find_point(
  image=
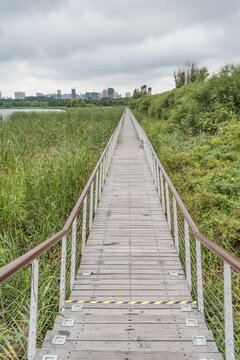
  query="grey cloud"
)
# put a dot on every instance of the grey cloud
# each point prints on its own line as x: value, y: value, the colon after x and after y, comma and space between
x: 66, y: 41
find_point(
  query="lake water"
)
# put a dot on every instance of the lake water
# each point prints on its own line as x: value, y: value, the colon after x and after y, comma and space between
x: 6, y: 112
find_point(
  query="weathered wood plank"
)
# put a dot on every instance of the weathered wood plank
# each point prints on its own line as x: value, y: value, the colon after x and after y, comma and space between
x: 130, y: 254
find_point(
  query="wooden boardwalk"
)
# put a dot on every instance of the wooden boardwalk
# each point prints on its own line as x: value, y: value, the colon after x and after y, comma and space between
x: 130, y: 254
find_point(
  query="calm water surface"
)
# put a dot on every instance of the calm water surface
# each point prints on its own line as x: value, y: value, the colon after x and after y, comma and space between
x: 6, y: 112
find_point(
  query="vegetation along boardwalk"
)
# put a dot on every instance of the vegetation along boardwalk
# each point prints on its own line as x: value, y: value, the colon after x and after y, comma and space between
x: 130, y: 298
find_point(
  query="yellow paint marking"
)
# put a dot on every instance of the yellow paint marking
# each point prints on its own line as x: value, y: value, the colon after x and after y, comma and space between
x: 132, y: 302
x: 81, y: 301
x: 119, y: 302
x: 157, y: 302
x: 93, y: 302
x: 145, y: 302
x: 69, y: 301
x: 106, y: 302
x: 170, y: 302
x: 183, y: 302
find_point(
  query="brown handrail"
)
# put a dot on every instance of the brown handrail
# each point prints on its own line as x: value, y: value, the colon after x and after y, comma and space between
x: 211, y: 245
x: 17, y: 264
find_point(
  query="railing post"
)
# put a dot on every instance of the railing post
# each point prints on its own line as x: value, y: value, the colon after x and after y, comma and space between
x: 175, y: 219
x: 199, y: 277
x: 91, y: 207
x: 154, y: 171
x: 168, y: 207
x: 84, y: 224
x: 32, y: 339
x: 100, y: 182
x: 73, y: 252
x: 158, y: 183
x: 228, y: 314
x: 187, y: 255
x: 104, y: 170
x: 162, y: 191
x: 63, y: 274
x: 96, y: 192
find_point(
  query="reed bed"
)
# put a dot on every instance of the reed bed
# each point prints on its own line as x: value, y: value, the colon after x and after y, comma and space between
x: 45, y: 162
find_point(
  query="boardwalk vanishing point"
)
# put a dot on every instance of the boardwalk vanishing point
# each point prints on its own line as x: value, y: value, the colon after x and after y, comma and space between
x: 129, y: 266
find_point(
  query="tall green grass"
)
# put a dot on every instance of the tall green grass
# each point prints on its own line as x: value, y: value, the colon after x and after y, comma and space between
x: 195, y: 131
x: 45, y: 161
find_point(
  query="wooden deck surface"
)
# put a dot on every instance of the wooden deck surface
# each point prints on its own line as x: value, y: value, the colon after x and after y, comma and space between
x: 130, y: 254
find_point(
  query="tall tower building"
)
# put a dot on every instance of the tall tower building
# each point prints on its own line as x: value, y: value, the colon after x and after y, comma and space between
x: 105, y: 93
x: 74, y: 96
x: 19, y: 95
x: 59, y: 94
x: 149, y: 91
x: 111, y: 93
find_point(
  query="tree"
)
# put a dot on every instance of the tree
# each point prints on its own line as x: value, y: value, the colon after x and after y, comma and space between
x: 190, y: 73
x: 136, y: 94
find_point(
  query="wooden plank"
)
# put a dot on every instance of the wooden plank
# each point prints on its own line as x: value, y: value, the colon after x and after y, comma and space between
x: 130, y: 253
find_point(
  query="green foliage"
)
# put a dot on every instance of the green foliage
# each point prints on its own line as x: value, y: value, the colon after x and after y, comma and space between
x: 45, y: 103
x: 45, y: 161
x: 195, y: 130
x: 191, y: 73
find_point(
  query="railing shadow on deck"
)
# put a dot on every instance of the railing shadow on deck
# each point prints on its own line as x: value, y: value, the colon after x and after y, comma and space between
x: 216, y: 288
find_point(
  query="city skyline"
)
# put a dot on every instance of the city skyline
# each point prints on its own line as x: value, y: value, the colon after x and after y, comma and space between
x: 73, y: 94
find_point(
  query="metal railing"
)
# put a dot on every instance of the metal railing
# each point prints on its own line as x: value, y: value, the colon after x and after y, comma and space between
x: 42, y: 279
x: 212, y: 273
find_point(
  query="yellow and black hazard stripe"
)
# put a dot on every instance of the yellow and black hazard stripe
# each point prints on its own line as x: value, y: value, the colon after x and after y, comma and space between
x: 180, y: 302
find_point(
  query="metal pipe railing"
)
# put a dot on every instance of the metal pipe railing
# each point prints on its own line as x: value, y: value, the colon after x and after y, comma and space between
x: 78, y: 224
x: 192, y: 257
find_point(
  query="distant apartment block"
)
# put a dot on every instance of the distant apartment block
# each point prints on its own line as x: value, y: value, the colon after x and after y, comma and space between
x: 0, y: 95
x: 127, y: 94
x: 149, y: 91
x: 74, y: 95
x: 111, y: 93
x: 38, y: 94
x: 19, y: 95
x: 59, y: 94
x: 51, y: 96
x: 143, y: 89
x: 66, y: 96
x: 105, y: 93
x: 92, y: 95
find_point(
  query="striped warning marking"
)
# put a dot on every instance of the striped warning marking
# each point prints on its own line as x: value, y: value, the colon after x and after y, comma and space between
x: 181, y: 302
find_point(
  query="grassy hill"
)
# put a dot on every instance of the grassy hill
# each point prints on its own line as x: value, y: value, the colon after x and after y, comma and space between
x: 195, y: 131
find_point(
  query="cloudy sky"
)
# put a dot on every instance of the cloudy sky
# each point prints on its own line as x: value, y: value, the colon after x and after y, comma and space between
x: 47, y: 45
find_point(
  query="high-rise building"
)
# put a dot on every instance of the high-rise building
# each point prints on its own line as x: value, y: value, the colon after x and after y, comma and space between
x: 74, y: 96
x: 92, y: 95
x: 38, y: 94
x: 149, y: 91
x: 0, y: 95
x: 111, y: 93
x: 143, y: 89
x: 127, y: 94
x: 67, y: 96
x: 105, y: 93
x: 19, y: 95
x: 59, y: 94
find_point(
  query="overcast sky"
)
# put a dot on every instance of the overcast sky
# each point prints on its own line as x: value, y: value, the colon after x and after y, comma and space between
x: 47, y: 45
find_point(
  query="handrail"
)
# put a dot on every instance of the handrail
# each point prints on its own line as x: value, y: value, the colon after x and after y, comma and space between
x: 231, y: 259
x: 19, y: 263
